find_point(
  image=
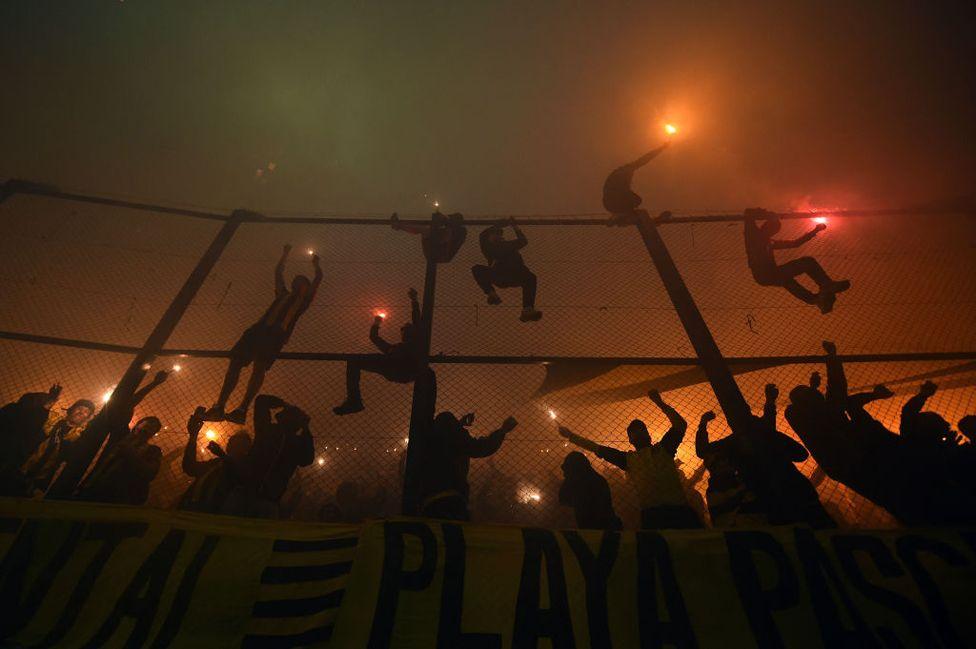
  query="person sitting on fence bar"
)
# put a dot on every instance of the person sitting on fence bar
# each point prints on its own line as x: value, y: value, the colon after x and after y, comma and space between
x: 218, y: 483
x: 399, y: 362
x: 36, y: 437
x: 264, y: 340
x: 760, y: 251
x: 618, y: 197
x: 441, y: 239
x: 445, y: 458
x: 125, y: 470
x: 651, y: 469
x: 506, y: 268
x: 281, y: 445
x: 588, y: 493
x: 730, y: 503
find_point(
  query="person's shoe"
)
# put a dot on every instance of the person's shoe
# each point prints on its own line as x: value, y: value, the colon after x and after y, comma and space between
x: 839, y: 287
x: 530, y: 315
x: 349, y: 407
x: 493, y: 298
x: 238, y: 416
x: 825, y: 302
x: 214, y: 414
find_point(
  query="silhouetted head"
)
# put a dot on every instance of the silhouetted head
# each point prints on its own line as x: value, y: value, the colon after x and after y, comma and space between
x: 804, y: 397
x: 146, y: 428
x: 300, y: 284
x: 771, y: 227
x: 638, y: 435
x: 291, y: 417
x: 238, y: 445
x: 495, y: 233
x: 575, y: 465
x: 967, y: 426
x: 80, y: 412
x: 932, y: 427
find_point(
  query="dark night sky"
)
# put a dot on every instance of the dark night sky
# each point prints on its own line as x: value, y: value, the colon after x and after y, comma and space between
x: 490, y: 107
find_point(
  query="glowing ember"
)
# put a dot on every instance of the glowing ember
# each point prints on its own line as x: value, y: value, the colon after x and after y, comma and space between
x: 211, y: 434
x: 108, y: 394
x: 177, y: 368
x: 552, y: 414
x: 670, y: 129
x: 321, y: 461
x: 146, y: 367
x: 381, y: 315
x: 310, y: 252
x: 820, y: 220
x: 528, y: 494
x: 437, y: 203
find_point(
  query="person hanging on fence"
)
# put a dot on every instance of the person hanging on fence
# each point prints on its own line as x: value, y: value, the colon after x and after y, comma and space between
x: 282, y: 444
x: 36, y: 436
x: 651, y: 469
x: 588, y: 493
x: 760, y: 251
x: 126, y: 469
x: 506, y: 268
x: 219, y: 483
x: 263, y: 341
x: 619, y: 198
x: 444, y: 460
x: 441, y: 239
x: 399, y: 362
x: 730, y: 502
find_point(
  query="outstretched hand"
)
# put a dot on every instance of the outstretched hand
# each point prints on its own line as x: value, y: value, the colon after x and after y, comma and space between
x: 654, y: 395
x: 708, y: 416
x: 412, y: 293
x: 161, y: 376
x: 286, y: 249
x: 509, y: 424
x: 820, y: 227
x: 395, y: 221
x: 215, y: 448
x: 772, y: 391
x: 54, y: 392
x: 829, y: 347
x: 195, y: 422
x: 565, y: 432
x: 815, y: 380
x: 928, y: 388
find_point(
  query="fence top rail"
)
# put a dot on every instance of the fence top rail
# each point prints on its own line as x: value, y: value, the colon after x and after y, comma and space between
x: 13, y: 187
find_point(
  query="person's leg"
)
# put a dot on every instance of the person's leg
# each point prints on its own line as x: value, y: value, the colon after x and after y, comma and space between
x: 527, y: 280
x: 799, y: 291
x: 483, y: 277
x: 233, y: 375
x: 836, y: 380
x: 354, y: 370
x: 254, y: 384
x: 811, y: 267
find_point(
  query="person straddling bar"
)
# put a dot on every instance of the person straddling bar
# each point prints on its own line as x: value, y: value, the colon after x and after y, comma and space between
x: 506, y: 268
x: 264, y: 340
x: 651, y: 469
x: 441, y: 239
x: 618, y: 197
x: 445, y: 459
x: 588, y: 493
x: 398, y: 363
x: 760, y: 250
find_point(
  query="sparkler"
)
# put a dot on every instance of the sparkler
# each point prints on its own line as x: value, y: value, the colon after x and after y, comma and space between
x: 670, y: 129
x: 820, y: 220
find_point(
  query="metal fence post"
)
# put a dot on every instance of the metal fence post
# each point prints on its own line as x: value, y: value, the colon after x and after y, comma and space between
x: 93, y: 438
x: 736, y: 409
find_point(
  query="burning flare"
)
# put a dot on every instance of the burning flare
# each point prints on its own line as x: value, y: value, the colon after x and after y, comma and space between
x: 670, y: 129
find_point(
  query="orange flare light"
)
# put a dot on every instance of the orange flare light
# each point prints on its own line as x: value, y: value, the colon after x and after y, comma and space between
x: 552, y: 414
x: 381, y: 315
x: 820, y: 220
x: 211, y: 434
x: 670, y: 129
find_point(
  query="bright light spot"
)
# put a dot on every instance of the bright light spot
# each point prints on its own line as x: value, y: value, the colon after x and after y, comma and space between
x: 528, y: 494
x: 145, y: 367
x: 437, y: 203
x: 177, y: 368
x: 108, y: 394
x: 211, y: 434
x: 552, y: 414
x: 822, y: 220
x: 310, y: 252
x: 406, y: 440
x: 670, y: 129
x: 381, y: 315
x: 321, y: 461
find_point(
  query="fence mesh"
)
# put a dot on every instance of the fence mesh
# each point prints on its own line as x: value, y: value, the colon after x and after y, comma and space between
x: 104, y: 275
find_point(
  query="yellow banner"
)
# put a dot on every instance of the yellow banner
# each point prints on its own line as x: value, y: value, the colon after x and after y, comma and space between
x: 444, y: 585
x: 83, y: 575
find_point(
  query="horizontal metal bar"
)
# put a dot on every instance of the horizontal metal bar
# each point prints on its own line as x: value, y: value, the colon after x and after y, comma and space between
x: 890, y: 357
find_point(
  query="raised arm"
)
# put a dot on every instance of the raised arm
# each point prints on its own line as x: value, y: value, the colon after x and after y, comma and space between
x: 487, y: 445
x: 612, y: 455
x: 317, y: 279
x: 376, y: 338
x: 280, y: 271
x: 142, y: 392
x: 409, y: 229
x: 769, y: 406
x: 672, y: 438
x: 647, y: 157
x: 702, y: 444
x: 520, y: 239
x: 414, y: 306
x: 306, y: 448
x: 912, y: 407
x: 796, y: 243
x: 191, y: 466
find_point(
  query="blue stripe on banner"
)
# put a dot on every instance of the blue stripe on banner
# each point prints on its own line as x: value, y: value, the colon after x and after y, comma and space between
x: 320, y: 634
x: 299, y: 574
x: 297, y: 607
x: 284, y: 545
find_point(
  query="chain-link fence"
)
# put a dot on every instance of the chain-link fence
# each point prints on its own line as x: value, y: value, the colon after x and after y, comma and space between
x: 84, y: 284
